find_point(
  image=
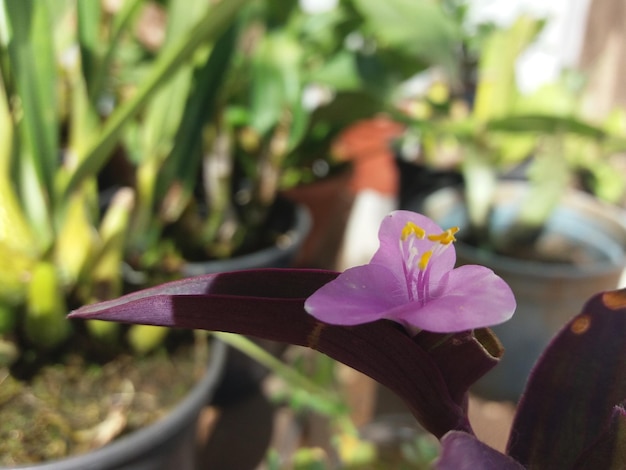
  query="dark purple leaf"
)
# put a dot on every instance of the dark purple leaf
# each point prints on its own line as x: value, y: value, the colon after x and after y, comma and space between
x: 574, y: 387
x: 446, y: 350
x: 462, y: 451
x: 269, y: 303
x: 609, y: 451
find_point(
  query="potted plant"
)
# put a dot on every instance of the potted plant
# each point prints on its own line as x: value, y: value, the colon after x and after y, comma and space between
x: 58, y: 79
x: 528, y: 228
x: 427, y: 342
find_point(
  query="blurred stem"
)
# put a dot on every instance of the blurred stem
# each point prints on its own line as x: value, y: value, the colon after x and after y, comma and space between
x: 74, y: 239
x: 293, y: 378
x: 105, y: 280
x: 141, y: 234
x: 271, y: 160
x: 217, y: 170
x: 106, y: 273
x: 548, y: 180
x: 480, y: 185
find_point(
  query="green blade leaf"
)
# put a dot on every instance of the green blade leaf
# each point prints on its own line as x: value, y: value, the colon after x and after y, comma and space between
x: 182, y: 163
x: 419, y: 27
x: 276, y: 82
x: 212, y: 24
x: 497, y: 88
x: 89, y: 14
x: 33, y: 68
x: 45, y: 324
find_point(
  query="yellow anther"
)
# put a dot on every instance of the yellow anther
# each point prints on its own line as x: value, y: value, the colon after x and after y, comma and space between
x: 446, y: 237
x: 424, y: 259
x: 412, y: 229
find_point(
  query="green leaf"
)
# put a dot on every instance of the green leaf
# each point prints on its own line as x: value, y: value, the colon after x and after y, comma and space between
x: 105, y: 275
x: 338, y: 72
x: 549, y: 177
x: 276, y: 82
x: 165, y: 109
x: 98, y: 80
x: 545, y: 124
x: 497, y: 89
x: 184, y: 160
x: 146, y: 338
x: 45, y: 324
x: 15, y: 232
x: 419, y: 27
x: 33, y: 68
x: 75, y: 239
x: 210, y: 26
x: 89, y: 16
x: 16, y: 268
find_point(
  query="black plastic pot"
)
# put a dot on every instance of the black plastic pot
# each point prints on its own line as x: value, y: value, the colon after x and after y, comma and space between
x: 547, y: 294
x: 242, y: 375
x: 167, y: 444
x: 293, y: 221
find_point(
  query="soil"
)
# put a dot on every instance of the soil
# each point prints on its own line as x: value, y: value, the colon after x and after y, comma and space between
x: 76, y: 405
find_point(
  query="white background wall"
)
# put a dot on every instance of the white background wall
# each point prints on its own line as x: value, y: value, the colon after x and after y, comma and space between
x: 559, y: 44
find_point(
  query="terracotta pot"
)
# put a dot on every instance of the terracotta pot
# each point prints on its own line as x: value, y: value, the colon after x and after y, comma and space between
x: 329, y: 202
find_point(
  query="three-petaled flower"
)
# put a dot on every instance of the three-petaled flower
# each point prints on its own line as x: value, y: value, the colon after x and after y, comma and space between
x: 411, y: 279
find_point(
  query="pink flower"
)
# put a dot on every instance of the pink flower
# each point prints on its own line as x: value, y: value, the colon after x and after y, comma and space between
x: 411, y: 280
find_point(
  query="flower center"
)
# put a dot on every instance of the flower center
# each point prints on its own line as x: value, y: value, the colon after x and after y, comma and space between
x: 417, y: 263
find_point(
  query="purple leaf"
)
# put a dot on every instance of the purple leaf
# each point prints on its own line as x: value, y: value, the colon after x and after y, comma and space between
x: 411, y: 280
x: 462, y: 451
x: 446, y: 350
x: 574, y: 387
x: 269, y: 303
x: 609, y: 451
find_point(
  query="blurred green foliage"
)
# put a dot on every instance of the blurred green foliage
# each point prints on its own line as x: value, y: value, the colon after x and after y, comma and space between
x: 63, y: 112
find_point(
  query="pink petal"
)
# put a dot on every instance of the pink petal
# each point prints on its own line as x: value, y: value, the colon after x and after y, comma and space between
x: 389, y: 253
x: 359, y: 295
x: 473, y: 297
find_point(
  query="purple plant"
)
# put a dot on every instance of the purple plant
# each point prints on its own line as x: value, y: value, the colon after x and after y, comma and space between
x: 419, y: 330
x: 411, y: 280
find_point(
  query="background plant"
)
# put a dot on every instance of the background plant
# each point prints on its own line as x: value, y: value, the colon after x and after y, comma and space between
x: 62, y: 118
x: 295, y: 79
x: 500, y: 128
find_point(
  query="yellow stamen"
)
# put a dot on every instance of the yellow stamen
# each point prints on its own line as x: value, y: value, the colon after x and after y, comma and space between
x: 412, y: 229
x: 446, y: 237
x: 424, y: 259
